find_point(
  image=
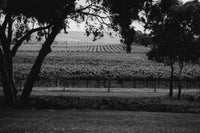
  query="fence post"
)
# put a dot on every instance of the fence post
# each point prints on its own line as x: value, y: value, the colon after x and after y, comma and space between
x: 109, y: 84
x: 154, y: 86
x: 104, y: 83
x: 64, y: 87
x: 121, y: 83
x: 87, y: 82
x: 57, y: 82
x: 38, y: 83
x: 98, y: 86
x: 66, y: 83
x: 50, y: 83
x: 134, y: 83
x: 20, y: 85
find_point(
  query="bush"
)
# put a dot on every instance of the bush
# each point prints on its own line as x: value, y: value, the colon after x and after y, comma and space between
x: 155, y: 104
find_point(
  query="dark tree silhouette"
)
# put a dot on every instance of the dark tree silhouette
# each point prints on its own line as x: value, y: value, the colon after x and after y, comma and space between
x: 22, y: 18
x: 123, y: 13
x: 173, y: 29
x: 163, y: 36
x: 142, y: 39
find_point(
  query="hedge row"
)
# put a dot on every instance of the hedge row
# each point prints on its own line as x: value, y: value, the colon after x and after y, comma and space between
x: 153, y: 104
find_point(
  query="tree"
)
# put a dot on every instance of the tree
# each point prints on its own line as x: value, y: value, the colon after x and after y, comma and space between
x: 22, y: 18
x: 187, y: 19
x: 142, y: 39
x: 173, y: 30
x: 122, y: 14
x: 163, y: 36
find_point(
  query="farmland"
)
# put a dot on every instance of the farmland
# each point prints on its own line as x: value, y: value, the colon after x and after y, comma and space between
x: 83, y: 65
x: 82, y: 59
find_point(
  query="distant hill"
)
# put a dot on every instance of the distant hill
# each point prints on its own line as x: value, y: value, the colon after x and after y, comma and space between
x: 80, y: 37
x: 77, y: 41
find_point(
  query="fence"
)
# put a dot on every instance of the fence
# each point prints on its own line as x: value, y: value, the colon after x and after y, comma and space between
x: 106, y: 83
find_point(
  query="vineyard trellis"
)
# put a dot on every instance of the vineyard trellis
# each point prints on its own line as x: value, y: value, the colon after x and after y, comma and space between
x: 75, y: 48
x: 109, y: 84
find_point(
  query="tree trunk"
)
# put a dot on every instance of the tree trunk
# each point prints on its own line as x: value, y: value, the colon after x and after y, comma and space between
x: 12, y: 77
x: 179, y: 81
x: 171, y: 81
x: 9, y: 67
x: 128, y: 48
x: 9, y: 94
x: 6, y: 67
x: 35, y: 70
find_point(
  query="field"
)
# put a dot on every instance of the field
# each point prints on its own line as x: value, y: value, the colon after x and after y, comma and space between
x: 76, y: 57
x: 78, y: 42
x: 84, y: 65
x: 87, y: 121
x: 79, y: 61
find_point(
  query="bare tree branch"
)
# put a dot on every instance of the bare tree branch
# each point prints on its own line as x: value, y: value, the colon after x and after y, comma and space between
x: 93, y: 14
x: 90, y: 6
x: 3, y: 26
x: 102, y: 21
x: 9, y: 38
x: 20, y: 41
x: 3, y: 37
x: 84, y: 8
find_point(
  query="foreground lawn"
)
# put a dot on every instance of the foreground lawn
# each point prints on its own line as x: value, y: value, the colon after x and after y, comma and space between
x: 91, y: 121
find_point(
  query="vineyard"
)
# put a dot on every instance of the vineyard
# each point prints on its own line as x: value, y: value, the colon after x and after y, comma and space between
x: 99, y: 66
x: 101, y: 61
x: 77, y: 42
x: 76, y: 48
x: 82, y: 48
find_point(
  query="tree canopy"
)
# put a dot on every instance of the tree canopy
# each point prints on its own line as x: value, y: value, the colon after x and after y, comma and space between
x: 22, y: 18
x: 123, y: 13
x: 175, y: 33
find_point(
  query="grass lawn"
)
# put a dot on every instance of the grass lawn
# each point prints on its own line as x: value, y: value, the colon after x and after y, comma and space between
x: 92, y: 121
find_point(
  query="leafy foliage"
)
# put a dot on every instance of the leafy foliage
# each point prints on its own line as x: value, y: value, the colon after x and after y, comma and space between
x: 122, y: 15
x: 142, y: 39
x: 173, y: 32
x: 23, y: 18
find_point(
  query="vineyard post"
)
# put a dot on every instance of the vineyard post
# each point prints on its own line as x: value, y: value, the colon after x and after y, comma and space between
x: 38, y: 83
x: 104, y: 83
x: 66, y: 83
x: 146, y: 83
x: 154, y: 86
x: 20, y: 85
x: 109, y: 84
x: 64, y: 87
x: 73, y: 83
x: 134, y: 83
x: 57, y: 82
x: 87, y: 82
x: 98, y: 86
x: 199, y: 85
x: 50, y: 84
x: 121, y: 82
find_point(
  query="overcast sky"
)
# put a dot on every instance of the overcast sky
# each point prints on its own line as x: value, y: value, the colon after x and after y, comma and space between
x: 80, y: 27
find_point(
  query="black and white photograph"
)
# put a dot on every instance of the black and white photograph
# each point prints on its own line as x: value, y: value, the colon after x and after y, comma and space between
x: 99, y: 66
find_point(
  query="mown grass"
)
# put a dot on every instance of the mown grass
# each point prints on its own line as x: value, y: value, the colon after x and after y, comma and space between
x: 92, y: 121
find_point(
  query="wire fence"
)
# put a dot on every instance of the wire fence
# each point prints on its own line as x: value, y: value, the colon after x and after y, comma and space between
x: 107, y: 83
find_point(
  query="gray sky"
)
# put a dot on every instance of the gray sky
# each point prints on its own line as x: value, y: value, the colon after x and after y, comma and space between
x: 80, y: 27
